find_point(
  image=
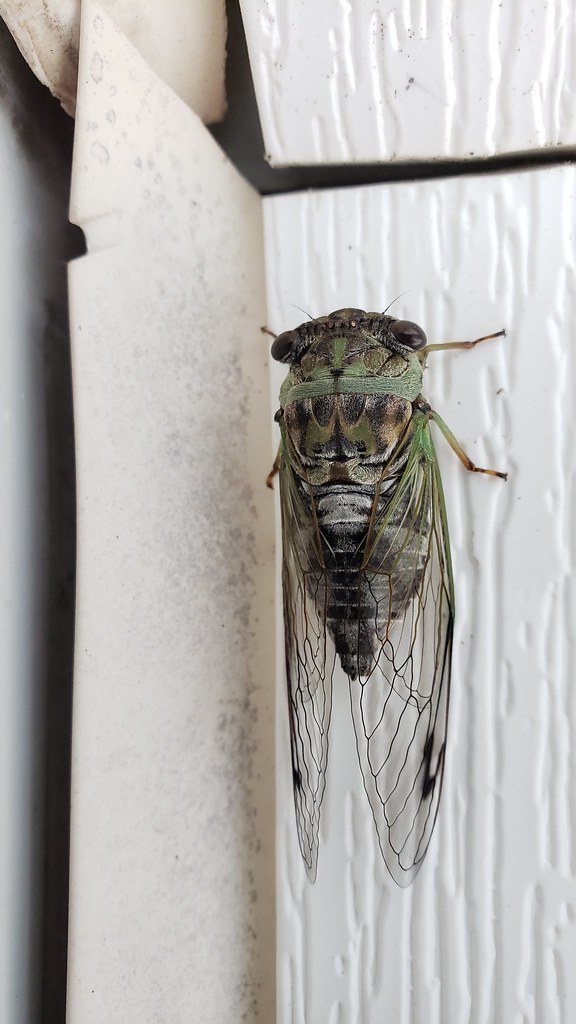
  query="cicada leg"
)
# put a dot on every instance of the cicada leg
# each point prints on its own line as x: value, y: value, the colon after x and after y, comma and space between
x: 461, y: 344
x: 276, y: 465
x: 456, y: 447
x: 274, y: 469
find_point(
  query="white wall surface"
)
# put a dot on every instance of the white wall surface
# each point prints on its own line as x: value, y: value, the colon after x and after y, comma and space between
x: 22, y: 513
x: 487, y: 932
x: 369, y: 80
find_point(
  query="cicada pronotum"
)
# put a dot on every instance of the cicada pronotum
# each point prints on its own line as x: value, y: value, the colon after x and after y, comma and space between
x: 366, y: 570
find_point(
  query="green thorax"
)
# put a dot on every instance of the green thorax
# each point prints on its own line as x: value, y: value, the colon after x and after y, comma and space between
x: 353, y: 364
x: 347, y: 406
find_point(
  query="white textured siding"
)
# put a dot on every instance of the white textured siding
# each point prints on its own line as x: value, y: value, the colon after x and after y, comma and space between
x: 368, y: 80
x: 487, y: 933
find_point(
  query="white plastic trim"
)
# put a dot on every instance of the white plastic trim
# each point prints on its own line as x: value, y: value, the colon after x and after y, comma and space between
x: 171, y: 893
x: 183, y: 40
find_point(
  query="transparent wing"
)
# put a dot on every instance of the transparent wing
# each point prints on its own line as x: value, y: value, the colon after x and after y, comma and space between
x: 309, y: 659
x: 400, y: 706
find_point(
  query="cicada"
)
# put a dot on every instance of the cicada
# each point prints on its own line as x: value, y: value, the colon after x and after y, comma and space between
x: 366, y: 570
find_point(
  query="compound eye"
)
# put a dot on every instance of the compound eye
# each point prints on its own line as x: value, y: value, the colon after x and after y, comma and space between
x: 408, y: 335
x: 282, y: 346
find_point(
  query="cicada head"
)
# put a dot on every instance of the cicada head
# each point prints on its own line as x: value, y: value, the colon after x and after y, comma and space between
x: 402, y: 336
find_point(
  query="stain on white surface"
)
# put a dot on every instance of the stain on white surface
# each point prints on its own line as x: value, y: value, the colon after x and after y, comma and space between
x: 172, y: 893
x: 487, y: 931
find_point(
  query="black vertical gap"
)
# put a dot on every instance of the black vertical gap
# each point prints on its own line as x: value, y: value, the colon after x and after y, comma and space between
x: 60, y: 597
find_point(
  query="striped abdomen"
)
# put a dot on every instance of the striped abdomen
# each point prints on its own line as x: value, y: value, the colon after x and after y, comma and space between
x: 362, y: 592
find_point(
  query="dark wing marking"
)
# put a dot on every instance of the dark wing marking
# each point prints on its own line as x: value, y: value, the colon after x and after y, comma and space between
x: 309, y: 659
x: 400, y: 705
